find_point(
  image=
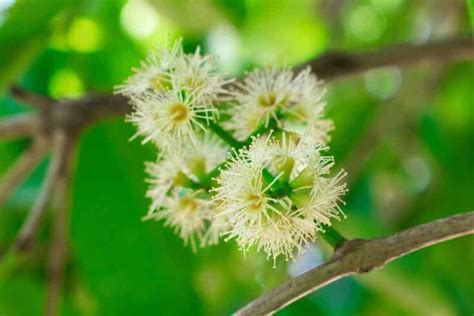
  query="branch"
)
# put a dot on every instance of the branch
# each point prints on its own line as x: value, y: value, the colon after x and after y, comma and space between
x: 61, y: 146
x: 58, y: 248
x: 336, y: 64
x: 360, y: 256
x: 19, y: 126
x: 22, y: 168
x: 79, y: 113
x: 38, y: 101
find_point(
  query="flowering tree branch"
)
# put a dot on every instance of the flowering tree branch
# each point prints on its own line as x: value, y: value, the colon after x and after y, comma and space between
x: 361, y: 256
x: 57, y: 123
x: 84, y: 111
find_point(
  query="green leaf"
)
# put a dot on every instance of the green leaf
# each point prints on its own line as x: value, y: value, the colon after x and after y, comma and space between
x: 24, y: 34
x: 131, y: 267
x: 470, y: 7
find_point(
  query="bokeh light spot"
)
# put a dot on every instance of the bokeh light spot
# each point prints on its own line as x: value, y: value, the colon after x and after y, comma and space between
x: 66, y: 83
x: 5, y: 5
x: 365, y: 23
x: 224, y: 42
x: 383, y: 83
x: 84, y: 35
x: 139, y: 18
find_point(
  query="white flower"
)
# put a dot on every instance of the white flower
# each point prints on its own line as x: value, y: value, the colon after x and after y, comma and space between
x: 184, y: 170
x: 196, y: 74
x: 316, y: 194
x: 169, y: 120
x: 255, y: 216
x: 324, y: 204
x: 278, y: 222
x: 258, y: 99
x: 154, y: 74
x: 217, y: 225
x: 307, y: 99
x: 292, y: 102
x: 173, y: 95
x: 187, y: 212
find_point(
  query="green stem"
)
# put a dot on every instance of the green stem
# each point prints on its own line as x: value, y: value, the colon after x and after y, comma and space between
x: 278, y: 188
x: 234, y: 143
x: 225, y: 136
x: 333, y: 237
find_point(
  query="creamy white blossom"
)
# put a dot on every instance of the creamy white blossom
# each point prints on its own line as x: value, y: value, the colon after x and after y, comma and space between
x: 291, y: 102
x: 278, y: 223
x: 155, y: 73
x: 169, y: 120
x: 255, y: 216
x: 173, y: 95
x: 187, y: 213
x: 275, y: 194
x: 172, y: 170
x: 258, y: 99
x: 196, y: 74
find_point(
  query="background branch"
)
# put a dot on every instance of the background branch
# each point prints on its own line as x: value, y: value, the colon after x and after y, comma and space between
x: 22, y: 168
x: 29, y: 230
x: 19, y: 126
x: 73, y: 115
x: 337, y: 64
x: 58, y: 248
x: 360, y: 256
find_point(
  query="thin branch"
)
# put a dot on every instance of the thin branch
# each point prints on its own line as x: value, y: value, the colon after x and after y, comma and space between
x: 22, y: 168
x: 19, y: 126
x: 58, y: 248
x: 79, y: 113
x: 360, y: 256
x: 38, y: 101
x: 31, y: 226
x: 335, y: 64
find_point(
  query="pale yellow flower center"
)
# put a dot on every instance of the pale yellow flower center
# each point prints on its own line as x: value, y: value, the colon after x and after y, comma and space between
x: 160, y: 82
x: 268, y: 99
x: 179, y: 112
x: 255, y: 202
x: 189, y: 205
x: 194, y: 82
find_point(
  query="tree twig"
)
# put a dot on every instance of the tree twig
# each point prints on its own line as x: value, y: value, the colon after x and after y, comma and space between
x: 360, y: 256
x: 58, y: 248
x: 31, y: 226
x: 336, y: 64
x: 79, y: 113
x: 22, y: 168
x: 38, y: 101
x: 19, y: 125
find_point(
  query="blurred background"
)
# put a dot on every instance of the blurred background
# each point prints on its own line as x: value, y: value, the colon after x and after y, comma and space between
x: 406, y: 138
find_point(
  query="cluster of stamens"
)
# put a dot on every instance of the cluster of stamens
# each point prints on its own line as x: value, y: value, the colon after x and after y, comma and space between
x: 256, y: 174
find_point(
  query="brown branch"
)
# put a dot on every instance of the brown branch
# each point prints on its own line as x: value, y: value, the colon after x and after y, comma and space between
x: 19, y: 126
x: 360, y: 256
x: 22, y: 168
x: 29, y: 230
x: 335, y: 64
x: 38, y: 101
x: 73, y: 115
x: 58, y: 248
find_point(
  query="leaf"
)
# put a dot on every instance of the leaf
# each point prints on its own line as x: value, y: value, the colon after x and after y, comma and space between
x: 131, y: 267
x: 24, y: 34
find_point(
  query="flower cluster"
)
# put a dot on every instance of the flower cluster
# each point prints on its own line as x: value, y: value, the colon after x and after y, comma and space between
x: 257, y: 173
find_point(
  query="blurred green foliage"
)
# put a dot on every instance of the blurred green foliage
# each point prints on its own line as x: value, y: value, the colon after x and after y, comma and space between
x: 419, y: 124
